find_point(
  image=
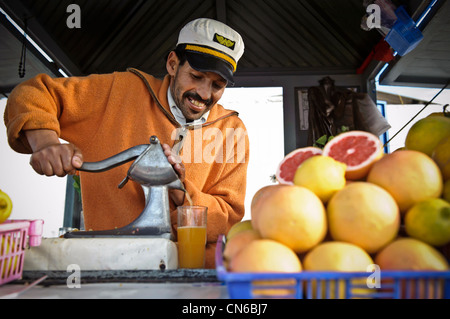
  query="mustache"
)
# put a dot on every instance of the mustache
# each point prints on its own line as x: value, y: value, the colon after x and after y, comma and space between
x: 197, y: 97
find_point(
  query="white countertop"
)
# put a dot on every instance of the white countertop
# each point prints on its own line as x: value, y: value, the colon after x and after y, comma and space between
x: 209, y: 290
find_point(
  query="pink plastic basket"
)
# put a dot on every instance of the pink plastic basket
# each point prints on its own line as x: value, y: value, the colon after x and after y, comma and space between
x: 15, y: 237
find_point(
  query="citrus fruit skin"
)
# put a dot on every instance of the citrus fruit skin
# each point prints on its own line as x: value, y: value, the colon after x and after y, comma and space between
x: 294, y: 216
x: 365, y: 215
x: 5, y: 206
x: 357, y: 149
x: 238, y: 242
x: 429, y: 221
x: 409, y: 176
x: 446, y: 191
x: 239, y: 227
x: 410, y: 254
x: 265, y: 255
x: 8, y: 267
x: 442, y: 114
x: 258, y: 198
x: 323, y: 175
x: 441, y: 155
x: 288, y: 166
x: 337, y: 256
x: 268, y: 256
x: 426, y: 133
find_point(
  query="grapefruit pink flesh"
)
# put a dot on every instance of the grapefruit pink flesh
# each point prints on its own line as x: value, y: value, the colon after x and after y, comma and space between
x: 288, y: 166
x: 353, y: 150
x: 357, y: 149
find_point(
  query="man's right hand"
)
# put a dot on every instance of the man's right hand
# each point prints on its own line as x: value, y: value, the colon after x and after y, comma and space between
x: 50, y: 157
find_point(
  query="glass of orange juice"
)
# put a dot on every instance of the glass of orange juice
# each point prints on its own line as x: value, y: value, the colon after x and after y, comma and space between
x: 191, y: 236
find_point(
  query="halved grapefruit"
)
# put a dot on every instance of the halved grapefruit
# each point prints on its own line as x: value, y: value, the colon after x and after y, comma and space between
x: 288, y: 166
x: 357, y: 149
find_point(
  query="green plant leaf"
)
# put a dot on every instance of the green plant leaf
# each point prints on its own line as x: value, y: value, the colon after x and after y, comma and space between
x: 321, y: 141
x: 76, y: 184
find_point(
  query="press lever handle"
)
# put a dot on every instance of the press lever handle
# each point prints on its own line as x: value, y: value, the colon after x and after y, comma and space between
x: 115, y: 160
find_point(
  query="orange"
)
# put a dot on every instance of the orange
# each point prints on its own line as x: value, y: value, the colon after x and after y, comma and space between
x: 294, y: 216
x: 426, y: 133
x: 357, y: 149
x: 409, y: 176
x: 287, y: 167
x: 363, y: 214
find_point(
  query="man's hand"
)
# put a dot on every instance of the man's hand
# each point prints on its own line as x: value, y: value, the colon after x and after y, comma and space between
x: 175, y: 160
x: 50, y: 157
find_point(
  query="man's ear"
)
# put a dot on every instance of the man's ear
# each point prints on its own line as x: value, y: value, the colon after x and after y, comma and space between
x: 172, y: 63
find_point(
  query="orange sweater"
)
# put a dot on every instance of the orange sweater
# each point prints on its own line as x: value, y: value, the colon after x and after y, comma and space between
x: 106, y: 114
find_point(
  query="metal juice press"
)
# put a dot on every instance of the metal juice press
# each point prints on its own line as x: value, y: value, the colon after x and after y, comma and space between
x: 156, y: 175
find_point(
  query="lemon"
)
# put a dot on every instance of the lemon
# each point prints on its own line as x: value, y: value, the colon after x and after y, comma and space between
x: 5, y: 206
x: 8, y: 266
x: 429, y: 221
x: 323, y: 175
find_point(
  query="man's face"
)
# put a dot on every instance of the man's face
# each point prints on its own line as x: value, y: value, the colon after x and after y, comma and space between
x: 194, y: 92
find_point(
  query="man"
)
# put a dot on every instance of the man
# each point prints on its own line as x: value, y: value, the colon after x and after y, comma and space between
x: 102, y: 115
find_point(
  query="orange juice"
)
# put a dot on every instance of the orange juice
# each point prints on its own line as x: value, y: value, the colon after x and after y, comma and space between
x: 191, y: 246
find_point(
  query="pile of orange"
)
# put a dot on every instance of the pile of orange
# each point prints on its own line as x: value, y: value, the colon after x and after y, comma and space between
x: 356, y: 208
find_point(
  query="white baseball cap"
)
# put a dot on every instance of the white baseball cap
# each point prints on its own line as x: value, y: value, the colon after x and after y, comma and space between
x: 211, y: 46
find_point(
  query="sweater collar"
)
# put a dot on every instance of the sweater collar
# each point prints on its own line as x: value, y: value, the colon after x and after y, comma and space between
x: 176, y: 112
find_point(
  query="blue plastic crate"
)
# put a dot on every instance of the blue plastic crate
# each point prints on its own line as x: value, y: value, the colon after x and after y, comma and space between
x: 404, y: 35
x: 332, y: 285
